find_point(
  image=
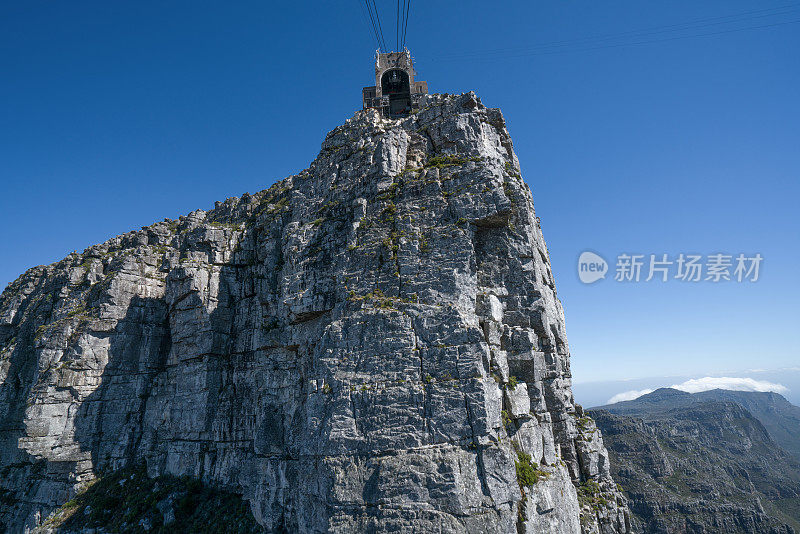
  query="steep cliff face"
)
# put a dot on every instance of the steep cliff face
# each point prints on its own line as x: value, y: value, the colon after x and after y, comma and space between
x: 372, y: 344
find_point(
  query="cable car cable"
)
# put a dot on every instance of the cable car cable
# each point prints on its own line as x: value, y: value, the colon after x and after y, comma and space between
x: 594, y: 40
x: 372, y: 21
x: 617, y: 45
x: 405, y: 26
x: 402, y: 17
x: 380, y: 29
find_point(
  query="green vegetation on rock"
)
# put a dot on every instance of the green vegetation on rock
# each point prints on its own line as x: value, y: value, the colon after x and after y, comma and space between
x: 528, y: 472
x: 591, y: 494
x: 449, y: 160
x: 128, y: 501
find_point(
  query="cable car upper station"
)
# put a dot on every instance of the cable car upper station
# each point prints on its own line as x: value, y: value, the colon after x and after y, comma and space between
x: 395, y: 93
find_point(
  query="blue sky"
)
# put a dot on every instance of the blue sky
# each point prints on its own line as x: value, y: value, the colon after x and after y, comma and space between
x: 641, y: 127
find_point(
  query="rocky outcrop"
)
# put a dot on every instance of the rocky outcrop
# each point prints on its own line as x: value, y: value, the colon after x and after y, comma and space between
x: 372, y: 344
x: 697, y: 466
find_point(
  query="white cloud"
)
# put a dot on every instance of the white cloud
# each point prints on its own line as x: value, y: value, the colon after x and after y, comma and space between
x: 628, y: 395
x: 707, y: 383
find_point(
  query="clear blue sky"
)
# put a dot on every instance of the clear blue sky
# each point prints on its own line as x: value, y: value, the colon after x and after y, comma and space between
x: 652, y: 127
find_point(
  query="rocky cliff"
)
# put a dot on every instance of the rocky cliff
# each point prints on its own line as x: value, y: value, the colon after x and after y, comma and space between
x: 374, y: 344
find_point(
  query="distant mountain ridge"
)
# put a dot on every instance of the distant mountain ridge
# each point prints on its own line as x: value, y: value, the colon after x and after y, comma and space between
x: 705, y: 462
x: 780, y: 417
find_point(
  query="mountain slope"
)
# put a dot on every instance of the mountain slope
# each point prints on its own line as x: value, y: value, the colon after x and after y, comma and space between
x: 374, y: 344
x: 778, y: 415
x: 692, y: 463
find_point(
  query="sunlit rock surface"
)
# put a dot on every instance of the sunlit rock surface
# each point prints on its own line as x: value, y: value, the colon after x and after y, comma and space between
x: 373, y: 344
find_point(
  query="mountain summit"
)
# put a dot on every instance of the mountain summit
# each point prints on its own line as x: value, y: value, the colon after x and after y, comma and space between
x: 374, y: 344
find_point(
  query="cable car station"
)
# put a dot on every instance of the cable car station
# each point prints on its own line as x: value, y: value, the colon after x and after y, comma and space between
x: 395, y: 93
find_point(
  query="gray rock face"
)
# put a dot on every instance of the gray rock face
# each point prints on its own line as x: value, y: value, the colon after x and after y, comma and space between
x: 337, y: 348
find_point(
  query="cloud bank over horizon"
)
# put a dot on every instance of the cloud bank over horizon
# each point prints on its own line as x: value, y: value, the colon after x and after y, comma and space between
x: 707, y: 383
x: 628, y: 395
